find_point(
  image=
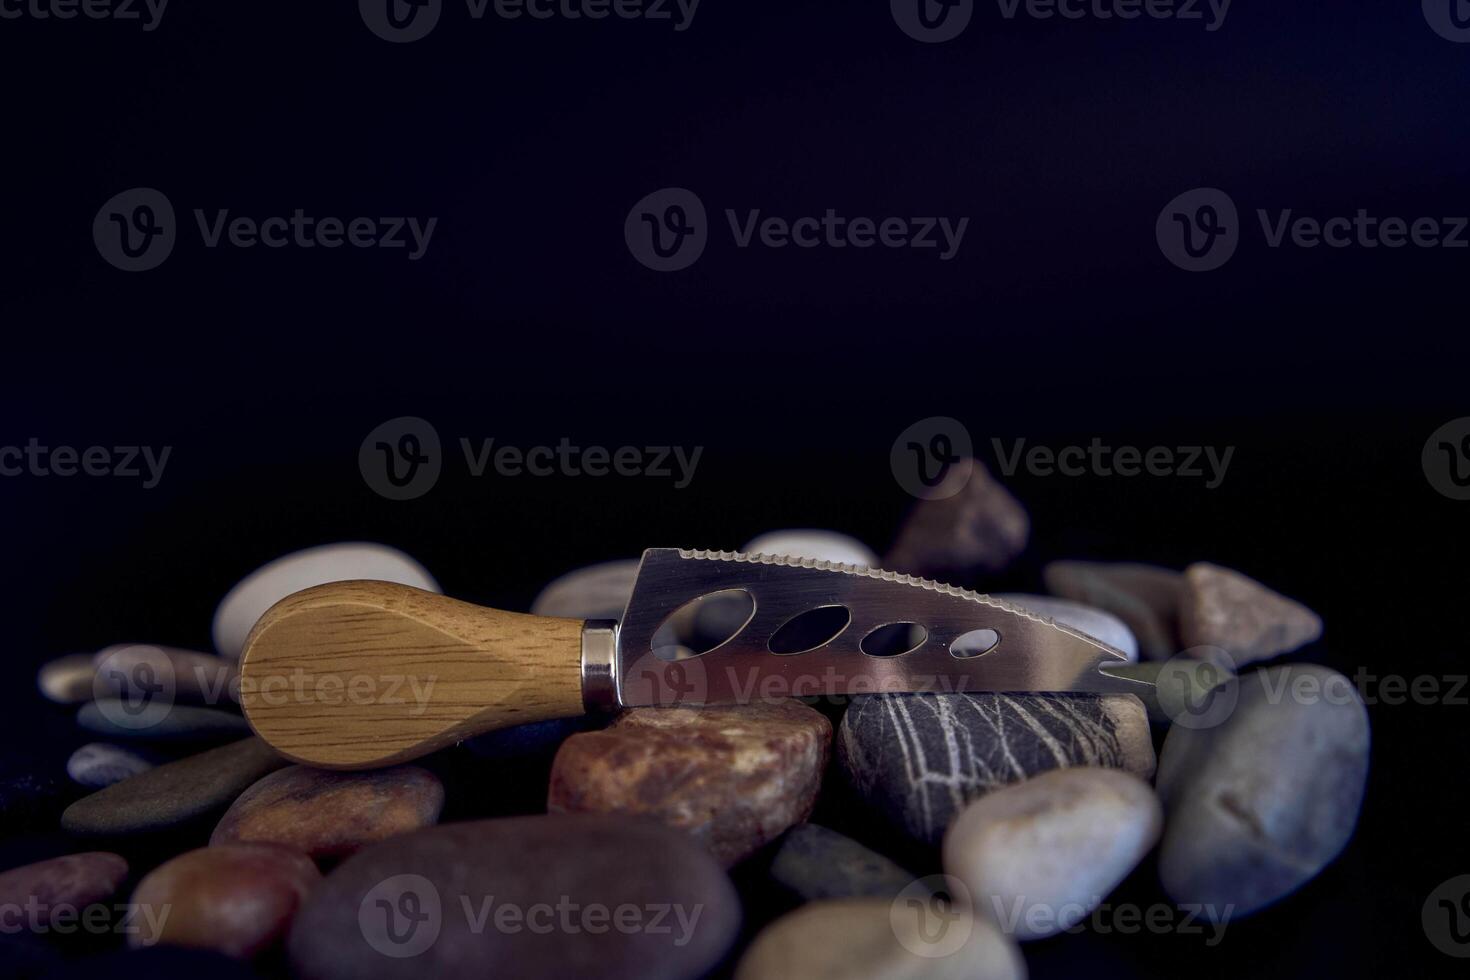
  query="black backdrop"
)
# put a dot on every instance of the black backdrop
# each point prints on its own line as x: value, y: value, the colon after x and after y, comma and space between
x: 528, y: 320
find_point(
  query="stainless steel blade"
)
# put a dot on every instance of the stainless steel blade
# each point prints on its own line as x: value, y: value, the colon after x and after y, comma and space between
x: 1034, y: 653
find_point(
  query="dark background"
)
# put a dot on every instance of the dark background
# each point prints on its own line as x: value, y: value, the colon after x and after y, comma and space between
x: 528, y: 320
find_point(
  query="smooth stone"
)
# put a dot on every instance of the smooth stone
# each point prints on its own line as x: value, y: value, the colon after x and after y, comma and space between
x: 817, y: 864
x: 979, y: 528
x: 868, y: 939
x: 64, y: 884
x: 67, y: 680
x: 174, y: 723
x: 810, y: 543
x: 919, y: 758
x: 1223, y: 608
x: 1145, y: 597
x: 1094, y: 622
x: 452, y: 875
x: 173, y: 793
x: 232, y: 899
x: 595, y: 592
x: 97, y: 764
x: 330, y: 815
x: 188, y: 675
x: 269, y: 584
x: 1039, y: 856
x: 1262, y: 802
x: 733, y: 777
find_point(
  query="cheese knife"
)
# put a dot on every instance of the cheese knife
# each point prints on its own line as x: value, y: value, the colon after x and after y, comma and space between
x: 356, y: 675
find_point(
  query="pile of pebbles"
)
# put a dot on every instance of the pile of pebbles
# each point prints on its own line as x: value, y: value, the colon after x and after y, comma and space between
x: 872, y: 836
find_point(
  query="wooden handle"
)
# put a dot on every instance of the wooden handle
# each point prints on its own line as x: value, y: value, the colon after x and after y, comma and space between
x: 354, y: 675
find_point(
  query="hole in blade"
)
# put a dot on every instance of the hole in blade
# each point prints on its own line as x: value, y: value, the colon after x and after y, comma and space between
x: 974, y: 643
x: 809, y: 630
x: 894, y: 640
x: 702, y: 624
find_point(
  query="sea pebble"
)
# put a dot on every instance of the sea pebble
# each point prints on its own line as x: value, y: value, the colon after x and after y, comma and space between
x: 1260, y: 803
x: 98, y: 764
x: 734, y: 777
x: 978, y: 528
x: 330, y: 815
x: 233, y: 899
x: 1094, y: 622
x: 126, y: 669
x: 816, y: 863
x: 59, y: 887
x: 67, y: 680
x: 160, y: 721
x: 1145, y: 597
x: 808, y: 543
x: 872, y: 939
x: 1038, y: 856
x: 541, y: 896
x: 1223, y: 608
x: 917, y: 759
x: 595, y: 592
x: 174, y: 793
x: 267, y: 585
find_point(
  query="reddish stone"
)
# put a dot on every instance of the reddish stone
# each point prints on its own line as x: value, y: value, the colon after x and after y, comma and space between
x: 330, y: 815
x: 734, y: 777
x: 235, y: 899
x: 62, y: 885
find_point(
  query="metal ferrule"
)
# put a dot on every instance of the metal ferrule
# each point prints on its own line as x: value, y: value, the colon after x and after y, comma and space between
x: 599, y: 651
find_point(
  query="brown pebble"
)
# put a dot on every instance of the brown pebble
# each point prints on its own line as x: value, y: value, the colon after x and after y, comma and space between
x: 235, y: 899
